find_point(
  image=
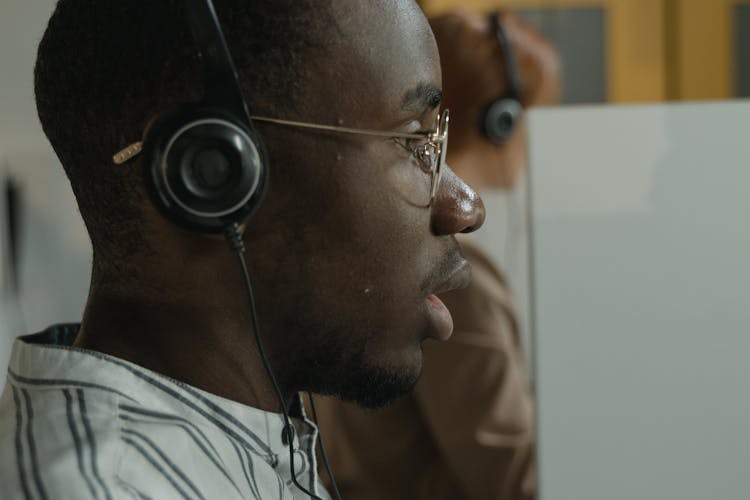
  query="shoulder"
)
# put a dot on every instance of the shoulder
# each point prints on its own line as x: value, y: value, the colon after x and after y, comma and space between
x: 58, y: 442
x: 170, y: 456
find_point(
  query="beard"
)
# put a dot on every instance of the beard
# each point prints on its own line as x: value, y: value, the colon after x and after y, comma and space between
x: 370, y: 386
x: 332, y: 360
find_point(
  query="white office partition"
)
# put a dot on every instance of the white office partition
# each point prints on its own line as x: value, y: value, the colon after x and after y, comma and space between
x: 640, y: 218
x: 641, y: 282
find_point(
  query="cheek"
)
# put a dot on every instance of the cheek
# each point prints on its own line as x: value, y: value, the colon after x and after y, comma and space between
x: 358, y: 239
x: 380, y: 202
x: 410, y: 183
x: 374, y: 253
x: 371, y: 250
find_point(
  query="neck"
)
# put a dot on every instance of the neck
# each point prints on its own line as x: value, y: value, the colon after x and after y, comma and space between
x: 198, y: 338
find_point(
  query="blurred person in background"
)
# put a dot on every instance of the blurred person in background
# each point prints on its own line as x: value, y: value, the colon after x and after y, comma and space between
x: 468, y: 429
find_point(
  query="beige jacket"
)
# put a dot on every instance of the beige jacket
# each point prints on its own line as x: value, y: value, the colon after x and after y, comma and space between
x: 467, y: 432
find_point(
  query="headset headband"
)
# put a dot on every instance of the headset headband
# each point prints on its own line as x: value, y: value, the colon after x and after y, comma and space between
x: 221, y: 80
x: 511, y: 73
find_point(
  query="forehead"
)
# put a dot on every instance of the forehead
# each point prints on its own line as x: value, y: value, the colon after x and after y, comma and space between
x: 381, y: 53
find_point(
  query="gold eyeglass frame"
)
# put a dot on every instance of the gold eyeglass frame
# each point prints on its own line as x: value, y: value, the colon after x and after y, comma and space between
x: 436, y: 143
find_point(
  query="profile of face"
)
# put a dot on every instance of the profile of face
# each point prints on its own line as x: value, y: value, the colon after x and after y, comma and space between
x: 347, y: 252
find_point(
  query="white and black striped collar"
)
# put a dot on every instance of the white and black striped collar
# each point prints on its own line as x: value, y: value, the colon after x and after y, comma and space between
x: 48, y: 358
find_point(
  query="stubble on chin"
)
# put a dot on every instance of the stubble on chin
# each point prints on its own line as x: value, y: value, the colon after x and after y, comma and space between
x: 334, y: 362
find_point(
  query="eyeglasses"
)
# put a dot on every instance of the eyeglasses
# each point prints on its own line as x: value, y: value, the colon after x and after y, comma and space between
x: 428, y: 148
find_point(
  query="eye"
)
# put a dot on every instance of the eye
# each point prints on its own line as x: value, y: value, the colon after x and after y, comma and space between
x: 415, y: 145
x: 423, y: 152
x: 421, y: 149
x: 418, y: 148
x: 409, y: 144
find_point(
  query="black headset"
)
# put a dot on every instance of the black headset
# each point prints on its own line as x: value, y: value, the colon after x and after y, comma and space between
x: 206, y: 169
x: 205, y: 166
x: 500, y: 117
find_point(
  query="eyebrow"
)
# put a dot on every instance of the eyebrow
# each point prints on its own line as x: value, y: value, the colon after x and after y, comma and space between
x: 423, y: 95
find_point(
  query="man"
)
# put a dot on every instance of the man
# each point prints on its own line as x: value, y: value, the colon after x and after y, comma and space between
x: 161, y: 391
x: 468, y: 429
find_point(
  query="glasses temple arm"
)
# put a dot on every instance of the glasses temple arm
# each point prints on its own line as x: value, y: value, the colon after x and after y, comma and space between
x: 331, y: 128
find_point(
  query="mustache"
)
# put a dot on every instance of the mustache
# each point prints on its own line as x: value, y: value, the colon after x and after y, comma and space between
x: 452, y: 259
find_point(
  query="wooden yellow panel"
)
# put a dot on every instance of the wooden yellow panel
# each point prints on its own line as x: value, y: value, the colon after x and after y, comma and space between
x: 437, y: 6
x: 634, y: 32
x: 635, y: 55
x: 705, y: 64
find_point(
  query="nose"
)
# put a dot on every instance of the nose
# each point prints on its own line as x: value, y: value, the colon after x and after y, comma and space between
x: 457, y: 207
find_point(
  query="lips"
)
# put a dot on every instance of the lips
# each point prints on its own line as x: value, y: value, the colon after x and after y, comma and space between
x: 458, y: 278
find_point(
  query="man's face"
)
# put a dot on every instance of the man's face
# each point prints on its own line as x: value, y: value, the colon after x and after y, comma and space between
x: 345, y: 253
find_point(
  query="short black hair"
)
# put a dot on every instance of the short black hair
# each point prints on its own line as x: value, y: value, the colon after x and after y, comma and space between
x: 106, y: 67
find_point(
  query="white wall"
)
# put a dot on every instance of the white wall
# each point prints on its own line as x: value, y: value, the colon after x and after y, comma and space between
x: 22, y: 23
x: 54, y: 245
x: 642, y: 244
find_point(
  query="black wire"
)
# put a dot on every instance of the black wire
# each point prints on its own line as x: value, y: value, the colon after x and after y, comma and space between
x: 511, y: 74
x: 323, y: 453
x: 234, y: 237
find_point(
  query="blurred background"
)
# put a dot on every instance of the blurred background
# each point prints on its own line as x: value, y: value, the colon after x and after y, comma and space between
x: 635, y: 51
x: 626, y: 246
x: 618, y: 52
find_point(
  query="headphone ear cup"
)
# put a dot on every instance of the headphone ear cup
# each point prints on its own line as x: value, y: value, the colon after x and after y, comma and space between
x: 204, y: 169
x: 500, y: 118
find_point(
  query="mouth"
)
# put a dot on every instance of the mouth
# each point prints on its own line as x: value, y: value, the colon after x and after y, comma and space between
x: 458, y: 278
x: 441, y: 320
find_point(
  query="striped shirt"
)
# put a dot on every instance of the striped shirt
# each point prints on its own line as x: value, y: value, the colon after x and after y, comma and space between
x: 80, y: 424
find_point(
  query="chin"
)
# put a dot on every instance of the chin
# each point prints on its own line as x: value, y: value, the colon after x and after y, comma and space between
x: 370, y: 366
x: 376, y: 386
x: 370, y: 381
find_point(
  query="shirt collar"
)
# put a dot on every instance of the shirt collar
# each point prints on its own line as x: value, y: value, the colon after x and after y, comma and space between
x: 49, y: 358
